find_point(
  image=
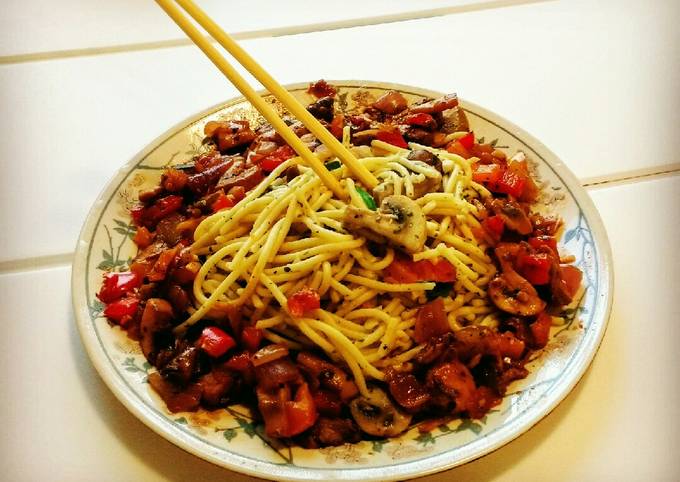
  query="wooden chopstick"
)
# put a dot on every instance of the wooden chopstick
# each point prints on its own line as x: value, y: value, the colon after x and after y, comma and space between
x: 249, y: 93
x: 285, y: 97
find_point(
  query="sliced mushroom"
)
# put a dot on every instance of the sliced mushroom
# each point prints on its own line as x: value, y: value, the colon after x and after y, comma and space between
x: 509, y: 291
x: 322, y: 108
x: 426, y: 185
x: 383, y: 190
x: 513, y: 215
x: 455, y: 380
x: 441, y: 104
x: 407, y: 390
x: 332, y: 432
x: 376, y: 414
x: 327, y: 375
x: 454, y: 120
x: 391, y: 102
x: 156, y: 322
x: 427, y: 157
x: 399, y: 221
x: 422, y: 184
x: 181, y: 369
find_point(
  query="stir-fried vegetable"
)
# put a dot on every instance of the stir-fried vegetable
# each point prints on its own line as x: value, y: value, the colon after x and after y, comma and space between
x: 115, y: 285
x: 392, y: 137
x: 215, y: 342
x: 367, y: 199
x: 405, y: 270
x: 431, y: 321
x: 303, y: 301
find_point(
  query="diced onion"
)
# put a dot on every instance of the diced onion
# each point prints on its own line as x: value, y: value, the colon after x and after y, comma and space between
x: 268, y: 354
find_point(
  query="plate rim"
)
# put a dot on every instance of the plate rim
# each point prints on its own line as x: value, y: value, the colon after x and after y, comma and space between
x: 413, y: 468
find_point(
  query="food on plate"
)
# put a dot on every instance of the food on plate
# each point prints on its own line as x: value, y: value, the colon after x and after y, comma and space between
x: 337, y: 320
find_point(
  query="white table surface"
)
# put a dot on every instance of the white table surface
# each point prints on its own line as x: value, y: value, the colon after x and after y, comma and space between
x: 84, y: 86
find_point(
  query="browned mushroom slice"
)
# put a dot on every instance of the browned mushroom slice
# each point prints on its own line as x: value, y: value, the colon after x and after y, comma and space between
x: 513, y: 215
x: 455, y: 380
x: 509, y: 291
x: 156, y: 321
x: 427, y: 157
x: 441, y: 104
x: 377, y: 415
x: 513, y: 294
x: 399, y: 220
x: 391, y: 102
x: 454, y: 120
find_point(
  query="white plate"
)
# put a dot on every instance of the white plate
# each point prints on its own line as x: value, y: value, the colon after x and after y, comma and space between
x: 228, y: 437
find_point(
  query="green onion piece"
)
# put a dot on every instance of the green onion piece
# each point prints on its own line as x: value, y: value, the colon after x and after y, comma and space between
x: 332, y: 165
x: 440, y: 289
x: 367, y: 198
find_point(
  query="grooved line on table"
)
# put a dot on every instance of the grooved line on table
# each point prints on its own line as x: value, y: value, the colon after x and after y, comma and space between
x: 271, y: 32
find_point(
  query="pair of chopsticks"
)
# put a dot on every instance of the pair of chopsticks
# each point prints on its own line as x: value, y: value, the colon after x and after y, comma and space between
x: 290, y: 102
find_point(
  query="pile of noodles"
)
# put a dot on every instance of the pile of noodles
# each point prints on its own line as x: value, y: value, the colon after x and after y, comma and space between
x: 288, y: 234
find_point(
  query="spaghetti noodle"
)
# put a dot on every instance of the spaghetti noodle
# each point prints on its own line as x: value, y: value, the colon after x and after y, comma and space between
x: 285, y: 236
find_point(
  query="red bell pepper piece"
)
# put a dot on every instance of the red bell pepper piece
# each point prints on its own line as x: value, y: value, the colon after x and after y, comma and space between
x: 276, y: 158
x: 420, y: 119
x: 456, y: 147
x: 251, y: 338
x: 494, y: 225
x: 535, y: 268
x: 215, y: 342
x: 539, y: 241
x: 137, y: 214
x: 571, y: 279
x: 337, y: 125
x: 511, y: 183
x: 303, y: 301
x: 487, y: 174
x: 509, y: 345
x: 443, y: 271
x: 240, y: 362
x: 530, y: 191
x: 468, y: 140
x: 301, y: 413
x: 401, y: 270
x: 161, y: 209
x: 223, y: 201
x: 115, y: 285
x: 121, y: 311
x: 284, y: 417
x: 143, y: 237
x: 405, y: 270
x: 392, y: 137
x: 540, y: 330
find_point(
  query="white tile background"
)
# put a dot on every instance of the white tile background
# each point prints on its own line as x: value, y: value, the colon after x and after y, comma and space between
x: 597, y: 82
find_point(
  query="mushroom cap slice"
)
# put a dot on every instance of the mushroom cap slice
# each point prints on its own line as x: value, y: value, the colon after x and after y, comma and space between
x: 399, y: 220
x: 156, y: 318
x: 377, y: 415
x: 515, y: 295
x: 509, y: 291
